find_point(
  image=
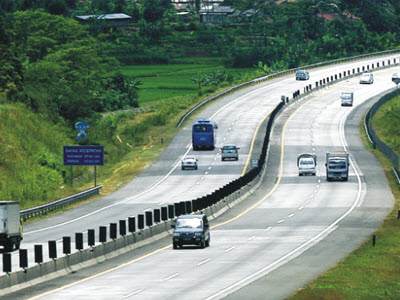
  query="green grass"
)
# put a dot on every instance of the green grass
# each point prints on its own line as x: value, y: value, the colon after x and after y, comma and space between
x: 166, y: 81
x: 369, y: 272
x: 31, y: 166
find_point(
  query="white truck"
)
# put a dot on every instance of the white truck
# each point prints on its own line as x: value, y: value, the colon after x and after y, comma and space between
x: 10, y: 226
x: 347, y: 98
x: 307, y: 164
x: 337, y: 165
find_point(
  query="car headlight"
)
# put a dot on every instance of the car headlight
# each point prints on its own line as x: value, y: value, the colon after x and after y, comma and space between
x: 177, y: 234
x: 197, y: 233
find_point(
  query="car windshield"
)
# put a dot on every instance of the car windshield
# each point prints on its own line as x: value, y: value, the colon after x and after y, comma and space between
x: 189, y: 223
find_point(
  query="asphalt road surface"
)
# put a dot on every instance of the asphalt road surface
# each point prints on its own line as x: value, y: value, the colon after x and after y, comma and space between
x: 289, y: 231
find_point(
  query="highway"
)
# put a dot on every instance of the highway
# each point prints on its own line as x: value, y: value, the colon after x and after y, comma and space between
x: 285, y: 220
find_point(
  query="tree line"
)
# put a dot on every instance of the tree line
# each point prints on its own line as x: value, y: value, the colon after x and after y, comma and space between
x: 64, y: 69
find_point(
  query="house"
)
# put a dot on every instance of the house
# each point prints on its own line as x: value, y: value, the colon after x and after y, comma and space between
x: 118, y: 20
x: 216, y: 14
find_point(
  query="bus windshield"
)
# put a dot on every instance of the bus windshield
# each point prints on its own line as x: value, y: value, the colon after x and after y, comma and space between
x: 202, y: 128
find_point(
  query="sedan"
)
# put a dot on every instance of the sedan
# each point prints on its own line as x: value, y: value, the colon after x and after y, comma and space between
x: 367, y: 78
x: 229, y: 152
x: 189, y: 162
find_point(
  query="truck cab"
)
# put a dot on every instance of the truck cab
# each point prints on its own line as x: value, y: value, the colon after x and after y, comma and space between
x: 337, y: 165
x: 347, y: 98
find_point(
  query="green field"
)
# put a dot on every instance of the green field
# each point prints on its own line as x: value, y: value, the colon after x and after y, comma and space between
x: 369, y: 272
x: 166, y: 81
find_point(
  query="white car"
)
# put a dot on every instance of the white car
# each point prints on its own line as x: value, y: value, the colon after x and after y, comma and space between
x: 367, y: 78
x: 189, y: 162
x: 229, y: 152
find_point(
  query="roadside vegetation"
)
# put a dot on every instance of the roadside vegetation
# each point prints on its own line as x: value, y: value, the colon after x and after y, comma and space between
x: 370, y: 272
x: 55, y: 71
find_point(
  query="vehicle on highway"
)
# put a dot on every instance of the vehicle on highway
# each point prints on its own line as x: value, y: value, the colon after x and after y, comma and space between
x: 10, y: 226
x: 203, y: 134
x: 302, y: 75
x: 337, y: 165
x: 307, y: 164
x: 191, y: 230
x: 367, y: 78
x: 396, y: 78
x: 189, y: 162
x: 347, y: 98
x: 229, y: 152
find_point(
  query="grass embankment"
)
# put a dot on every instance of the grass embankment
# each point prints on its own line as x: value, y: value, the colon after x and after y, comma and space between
x: 31, y: 166
x: 369, y: 272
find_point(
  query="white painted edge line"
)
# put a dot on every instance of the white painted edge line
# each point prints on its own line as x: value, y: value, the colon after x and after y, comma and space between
x: 303, y: 247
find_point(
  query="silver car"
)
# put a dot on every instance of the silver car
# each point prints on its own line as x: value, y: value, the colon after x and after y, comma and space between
x: 367, y: 78
x: 229, y: 152
x: 189, y: 162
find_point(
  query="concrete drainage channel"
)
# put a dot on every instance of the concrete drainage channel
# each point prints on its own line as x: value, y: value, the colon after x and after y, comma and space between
x: 104, y: 250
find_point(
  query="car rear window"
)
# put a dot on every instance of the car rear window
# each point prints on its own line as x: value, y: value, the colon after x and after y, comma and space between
x: 229, y: 148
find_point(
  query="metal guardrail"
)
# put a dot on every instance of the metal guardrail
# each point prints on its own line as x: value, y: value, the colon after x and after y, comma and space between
x: 57, y: 204
x: 373, y: 137
x: 278, y: 74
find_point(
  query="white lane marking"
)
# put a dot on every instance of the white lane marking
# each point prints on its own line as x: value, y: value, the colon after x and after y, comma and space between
x: 204, y: 262
x: 251, y: 238
x: 147, y: 209
x: 170, y: 277
x: 210, y: 167
x: 301, y: 207
x: 268, y: 228
x: 302, y: 247
x: 280, y: 221
x: 230, y: 249
x: 291, y: 215
x: 161, y: 203
x: 206, y: 172
x: 132, y: 294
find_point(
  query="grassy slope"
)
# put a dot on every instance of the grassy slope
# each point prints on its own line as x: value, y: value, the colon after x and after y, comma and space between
x: 369, y: 272
x: 31, y: 148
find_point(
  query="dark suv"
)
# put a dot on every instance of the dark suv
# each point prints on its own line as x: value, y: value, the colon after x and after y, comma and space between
x: 191, y: 230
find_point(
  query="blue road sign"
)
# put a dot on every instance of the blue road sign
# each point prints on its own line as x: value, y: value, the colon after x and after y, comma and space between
x: 83, y: 155
x: 82, y: 127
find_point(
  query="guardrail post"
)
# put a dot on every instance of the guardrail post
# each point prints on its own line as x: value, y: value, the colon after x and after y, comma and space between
x: 52, y: 249
x: 122, y: 227
x: 140, y: 221
x: 131, y: 224
x: 149, y: 218
x: 79, y: 241
x: 91, y: 241
x: 38, y: 254
x: 66, y: 245
x: 188, y: 207
x: 23, y: 258
x: 177, y: 209
x: 157, y: 215
x: 113, y: 231
x: 7, y: 263
x: 171, y: 211
x: 164, y: 213
x: 103, y: 234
